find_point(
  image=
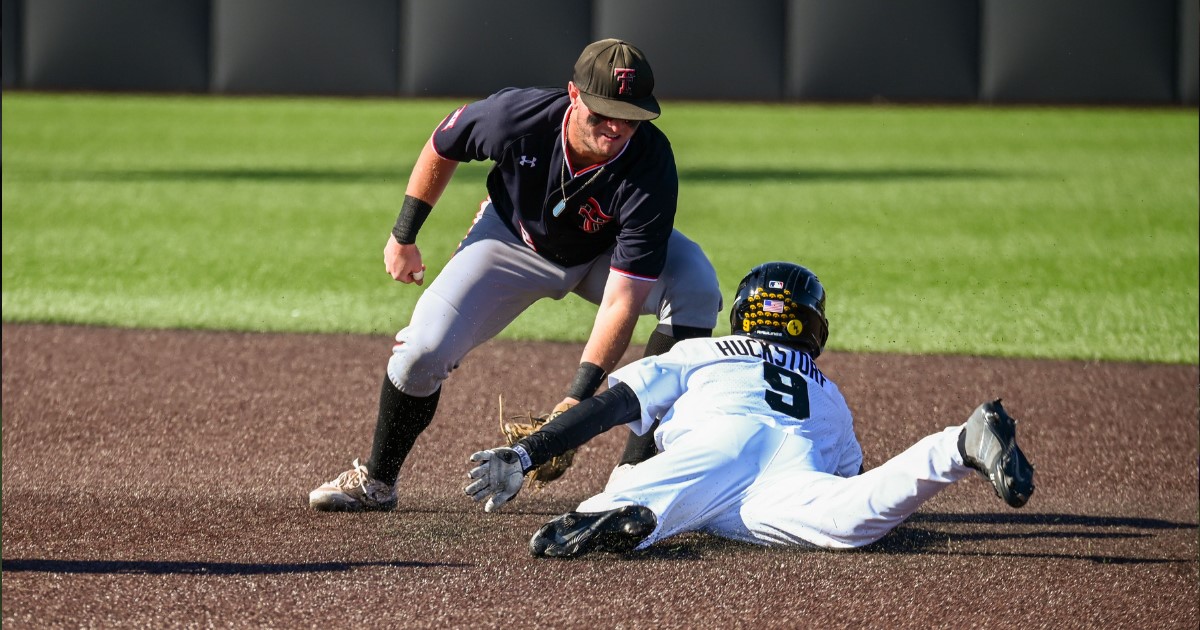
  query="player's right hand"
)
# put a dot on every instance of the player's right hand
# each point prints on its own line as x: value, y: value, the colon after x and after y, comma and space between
x: 498, y: 477
x: 403, y: 262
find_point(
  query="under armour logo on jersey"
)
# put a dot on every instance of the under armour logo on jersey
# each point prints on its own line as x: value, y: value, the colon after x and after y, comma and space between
x: 528, y: 161
x: 625, y: 77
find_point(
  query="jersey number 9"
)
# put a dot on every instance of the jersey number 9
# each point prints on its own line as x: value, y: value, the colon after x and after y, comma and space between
x: 783, y: 383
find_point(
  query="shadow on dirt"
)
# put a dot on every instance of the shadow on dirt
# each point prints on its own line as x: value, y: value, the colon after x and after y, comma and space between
x: 149, y: 567
x: 910, y: 539
x: 1033, y: 518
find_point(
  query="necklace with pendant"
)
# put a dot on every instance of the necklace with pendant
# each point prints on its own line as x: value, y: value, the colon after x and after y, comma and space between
x: 562, y: 187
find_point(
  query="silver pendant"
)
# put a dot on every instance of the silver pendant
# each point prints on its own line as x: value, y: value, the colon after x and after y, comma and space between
x: 559, y: 207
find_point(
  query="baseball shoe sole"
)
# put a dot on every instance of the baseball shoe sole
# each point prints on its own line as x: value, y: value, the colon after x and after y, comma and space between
x: 989, y: 445
x: 576, y: 533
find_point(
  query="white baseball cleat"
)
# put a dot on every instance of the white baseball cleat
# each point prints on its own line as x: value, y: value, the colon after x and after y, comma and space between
x: 353, y: 491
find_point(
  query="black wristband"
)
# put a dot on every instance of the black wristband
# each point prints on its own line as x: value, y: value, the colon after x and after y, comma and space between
x: 587, y: 380
x: 412, y: 215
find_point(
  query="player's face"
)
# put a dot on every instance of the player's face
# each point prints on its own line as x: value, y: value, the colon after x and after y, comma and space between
x: 596, y: 136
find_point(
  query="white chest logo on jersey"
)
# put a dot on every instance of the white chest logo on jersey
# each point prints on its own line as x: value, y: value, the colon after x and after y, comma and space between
x: 528, y: 161
x: 593, y: 217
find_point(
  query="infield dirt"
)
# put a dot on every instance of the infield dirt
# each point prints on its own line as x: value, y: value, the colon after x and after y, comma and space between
x: 160, y: 479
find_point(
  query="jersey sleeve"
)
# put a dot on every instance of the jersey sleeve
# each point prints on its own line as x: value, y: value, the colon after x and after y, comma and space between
x: 648, y: 210
x: 658, y: 381
x: 480, y: 130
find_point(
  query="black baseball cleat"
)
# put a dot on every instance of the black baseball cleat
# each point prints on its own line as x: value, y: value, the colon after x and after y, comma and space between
x: 989, y: 444
x: 576, y: 533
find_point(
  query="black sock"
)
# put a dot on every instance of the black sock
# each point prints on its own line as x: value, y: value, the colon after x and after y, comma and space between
x: 658, y: 343
x: 639, y: 448
x: 401, y: 419
x: 666, y: 336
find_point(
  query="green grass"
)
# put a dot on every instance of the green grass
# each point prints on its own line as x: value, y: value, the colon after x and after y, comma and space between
x: 1037, y: 232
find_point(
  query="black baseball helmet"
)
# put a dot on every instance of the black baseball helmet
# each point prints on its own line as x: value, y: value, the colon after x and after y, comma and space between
x: 783, y: 303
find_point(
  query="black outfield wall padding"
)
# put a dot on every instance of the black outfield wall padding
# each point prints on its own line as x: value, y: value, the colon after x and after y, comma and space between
x: 472, y: 48
x: 703, y: 49
x: 12, y: 42
x: 306, y: 46
x: 1189, y: 51
x: 910, y: 50
x: 146, y: 45
x: 1101, y: 52
x: 1079, y: 51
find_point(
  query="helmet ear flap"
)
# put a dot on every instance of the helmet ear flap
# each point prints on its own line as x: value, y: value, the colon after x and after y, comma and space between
x: 820, y: 336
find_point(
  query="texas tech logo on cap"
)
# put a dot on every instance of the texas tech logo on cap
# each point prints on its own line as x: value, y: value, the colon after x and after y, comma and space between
x: 625, y: 77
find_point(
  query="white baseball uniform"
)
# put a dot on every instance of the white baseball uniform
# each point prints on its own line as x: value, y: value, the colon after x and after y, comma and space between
x: 757, y: 445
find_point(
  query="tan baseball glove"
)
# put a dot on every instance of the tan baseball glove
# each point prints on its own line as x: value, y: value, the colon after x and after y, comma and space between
x: 518, y: 427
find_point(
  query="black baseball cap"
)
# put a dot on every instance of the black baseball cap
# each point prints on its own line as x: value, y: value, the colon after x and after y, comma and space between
x: 615, y: 80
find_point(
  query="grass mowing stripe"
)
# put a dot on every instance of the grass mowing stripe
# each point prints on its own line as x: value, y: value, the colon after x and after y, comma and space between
x: 1041, y: 232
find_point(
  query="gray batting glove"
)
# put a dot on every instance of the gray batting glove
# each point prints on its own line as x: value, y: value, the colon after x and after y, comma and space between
x: 498, y: 477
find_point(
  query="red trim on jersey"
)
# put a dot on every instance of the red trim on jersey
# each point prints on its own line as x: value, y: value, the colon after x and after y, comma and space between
x: 447, y: 123
x: 525, y: 236
x: 433, y: 144
x: 478, y: 215
x: 632, y: 276
x: 567, y: 154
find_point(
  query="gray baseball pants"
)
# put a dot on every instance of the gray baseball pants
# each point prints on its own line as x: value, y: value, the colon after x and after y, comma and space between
x: 493, y: 277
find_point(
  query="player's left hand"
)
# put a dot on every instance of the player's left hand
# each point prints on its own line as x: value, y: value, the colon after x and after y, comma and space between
x: 498, y: 477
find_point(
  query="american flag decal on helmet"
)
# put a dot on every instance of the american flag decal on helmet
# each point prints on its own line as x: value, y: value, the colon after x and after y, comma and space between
x: 773, y: 306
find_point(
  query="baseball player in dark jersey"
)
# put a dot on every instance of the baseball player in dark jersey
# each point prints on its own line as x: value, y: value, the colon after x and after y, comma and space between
x: 581, y: 199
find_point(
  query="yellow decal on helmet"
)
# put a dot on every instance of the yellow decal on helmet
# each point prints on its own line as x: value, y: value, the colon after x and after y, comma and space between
x: 746, y: 325
x: 795, y: 327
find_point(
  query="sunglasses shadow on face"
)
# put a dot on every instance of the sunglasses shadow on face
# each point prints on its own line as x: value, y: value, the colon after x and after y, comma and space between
x: 596, y: 119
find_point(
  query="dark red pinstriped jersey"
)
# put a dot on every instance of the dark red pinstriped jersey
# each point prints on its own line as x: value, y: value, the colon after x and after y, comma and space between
x: 628, y: 201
